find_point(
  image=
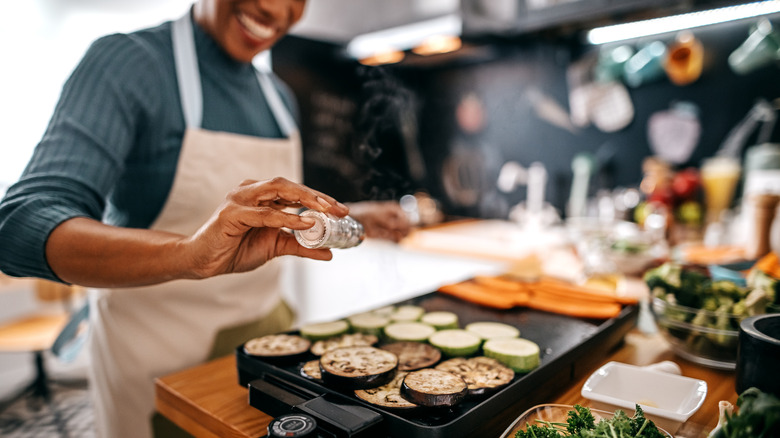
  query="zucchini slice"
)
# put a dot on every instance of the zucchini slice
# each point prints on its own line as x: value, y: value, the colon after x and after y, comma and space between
x: 482, y: 374
x: 311, y: 370
x: 519, y: 354
x: 441, y: 320
x: 277, y: 346
x: 409, y: 331
x: 387, y: 396
x: 413, y: 355
x: 358, y: 367
x: 456, y: 342
x: 384, y: 311
x: 407, y: 313
x: 369, y: 323
x: 491, y: 330
x: 346, y: 340
x: 324, y: 330
x: 433, y: 388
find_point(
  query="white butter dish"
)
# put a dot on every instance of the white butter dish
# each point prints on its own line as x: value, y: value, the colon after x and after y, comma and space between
x: 666, y: 399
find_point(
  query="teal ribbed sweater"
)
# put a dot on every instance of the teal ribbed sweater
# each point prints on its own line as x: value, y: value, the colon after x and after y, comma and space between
x: 111, y: 147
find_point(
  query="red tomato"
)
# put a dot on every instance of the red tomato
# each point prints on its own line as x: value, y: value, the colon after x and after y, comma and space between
x: 686, y: 183
x: 662, y: 195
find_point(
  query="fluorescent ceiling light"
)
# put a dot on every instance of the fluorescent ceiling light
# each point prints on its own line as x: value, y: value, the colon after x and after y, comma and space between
x: 404, y: 37
x: 609, y: 34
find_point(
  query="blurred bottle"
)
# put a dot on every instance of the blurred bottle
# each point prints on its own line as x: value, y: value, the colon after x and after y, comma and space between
x: 764, y: 207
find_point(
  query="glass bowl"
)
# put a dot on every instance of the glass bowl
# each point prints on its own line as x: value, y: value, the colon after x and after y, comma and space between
x: 699, y: 343
x: 555, y: 414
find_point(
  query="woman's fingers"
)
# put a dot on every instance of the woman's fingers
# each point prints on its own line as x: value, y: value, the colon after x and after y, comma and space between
x: 282, y: 193
x: 243, y: 217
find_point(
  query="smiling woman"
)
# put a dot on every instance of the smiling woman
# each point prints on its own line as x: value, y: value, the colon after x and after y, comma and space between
x: 244, y: 28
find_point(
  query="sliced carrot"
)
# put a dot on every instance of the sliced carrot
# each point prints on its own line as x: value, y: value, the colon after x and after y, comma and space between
x: 499, y: 283
x: 583, y: 309
x: 548, y: 295
x: 473, y: 293
x: 567, y: 290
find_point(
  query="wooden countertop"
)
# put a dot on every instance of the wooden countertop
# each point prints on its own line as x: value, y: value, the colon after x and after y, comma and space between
x: 207, y: 401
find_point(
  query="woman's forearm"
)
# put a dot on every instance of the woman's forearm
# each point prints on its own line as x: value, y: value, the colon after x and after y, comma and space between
x: 89, y: 253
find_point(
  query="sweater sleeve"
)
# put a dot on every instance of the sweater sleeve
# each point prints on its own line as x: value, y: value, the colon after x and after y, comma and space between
x: 82, y: 153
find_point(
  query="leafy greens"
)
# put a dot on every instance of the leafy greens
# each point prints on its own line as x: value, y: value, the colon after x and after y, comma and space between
x: 581, y: 423
x: 758, y: 417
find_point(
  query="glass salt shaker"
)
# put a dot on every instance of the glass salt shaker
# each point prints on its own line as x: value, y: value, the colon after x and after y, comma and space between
x: 330, y: 231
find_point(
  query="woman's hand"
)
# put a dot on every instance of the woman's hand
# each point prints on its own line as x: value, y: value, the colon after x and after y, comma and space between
x: 246, y: 231
x: 381, y: 219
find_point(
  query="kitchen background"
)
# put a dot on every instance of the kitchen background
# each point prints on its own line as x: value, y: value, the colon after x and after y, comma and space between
x: 446, y: 124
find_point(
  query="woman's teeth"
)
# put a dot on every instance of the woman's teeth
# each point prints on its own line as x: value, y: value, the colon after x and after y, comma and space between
x: 257, y: 30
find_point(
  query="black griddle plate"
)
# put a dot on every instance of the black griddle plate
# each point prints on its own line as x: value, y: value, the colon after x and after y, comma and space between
x: 570, y: 347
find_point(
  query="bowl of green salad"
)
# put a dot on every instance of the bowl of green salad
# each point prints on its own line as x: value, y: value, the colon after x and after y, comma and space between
x: 554, y: 420
x: 699, y: 315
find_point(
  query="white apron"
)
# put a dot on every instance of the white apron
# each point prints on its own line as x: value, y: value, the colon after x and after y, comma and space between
x: 139, y: 334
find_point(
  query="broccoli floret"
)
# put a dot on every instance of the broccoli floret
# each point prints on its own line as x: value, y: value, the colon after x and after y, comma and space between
x: 710, y: 303
x: 756, y: 302
x: 666, y: 276
x: 693, y: 284
x: 740, y: 309
x: 725, y: 288
x: 722, y: 323
x: 759, y: 280
x: 702, y: 319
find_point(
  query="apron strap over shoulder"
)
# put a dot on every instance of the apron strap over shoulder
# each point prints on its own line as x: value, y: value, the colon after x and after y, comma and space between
x: 281, y: 114
x: 187, y: 71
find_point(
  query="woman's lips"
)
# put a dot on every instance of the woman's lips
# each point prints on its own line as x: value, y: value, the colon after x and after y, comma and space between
x: 255, y: 29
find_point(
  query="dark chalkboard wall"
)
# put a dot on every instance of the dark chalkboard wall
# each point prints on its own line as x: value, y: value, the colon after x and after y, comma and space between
x: 381, y: 132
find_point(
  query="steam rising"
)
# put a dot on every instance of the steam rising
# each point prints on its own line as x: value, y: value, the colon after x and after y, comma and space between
x: 386, y: 136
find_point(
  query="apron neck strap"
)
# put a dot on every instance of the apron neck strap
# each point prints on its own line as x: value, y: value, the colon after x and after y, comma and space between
x: 187, y: 71
x: 188, y: 75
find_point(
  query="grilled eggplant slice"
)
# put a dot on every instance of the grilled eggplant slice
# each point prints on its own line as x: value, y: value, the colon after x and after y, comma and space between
x: 347, y: 340
x: 278, y: 347
x: 358, y: 367
x: 482, y: 374
x: 387, y: 396
x: 433, y: 388
x: 311, y: 370
x: 414, y: 355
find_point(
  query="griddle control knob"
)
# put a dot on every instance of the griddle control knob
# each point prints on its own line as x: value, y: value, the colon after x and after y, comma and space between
x: 292, y: 426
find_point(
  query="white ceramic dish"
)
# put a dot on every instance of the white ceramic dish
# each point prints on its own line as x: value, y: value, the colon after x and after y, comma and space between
x: 667, y: 399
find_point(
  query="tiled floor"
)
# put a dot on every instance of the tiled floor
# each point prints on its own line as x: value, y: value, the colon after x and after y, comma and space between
x: 67, y: 415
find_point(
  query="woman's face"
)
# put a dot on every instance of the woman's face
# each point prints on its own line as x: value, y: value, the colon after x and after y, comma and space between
x: 245, y: 28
